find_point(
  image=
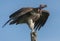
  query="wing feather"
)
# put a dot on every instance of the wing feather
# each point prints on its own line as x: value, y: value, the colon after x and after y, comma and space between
x: 42, y: 20
x: 20, y: 12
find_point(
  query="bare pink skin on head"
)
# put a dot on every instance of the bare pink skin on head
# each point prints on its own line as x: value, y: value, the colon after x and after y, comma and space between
x: 41, y: 7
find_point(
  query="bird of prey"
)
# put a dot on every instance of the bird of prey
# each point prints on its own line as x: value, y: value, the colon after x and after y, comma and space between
x: 34, y: 17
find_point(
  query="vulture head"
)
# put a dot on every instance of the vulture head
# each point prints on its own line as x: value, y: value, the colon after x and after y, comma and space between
x: 42, y: 6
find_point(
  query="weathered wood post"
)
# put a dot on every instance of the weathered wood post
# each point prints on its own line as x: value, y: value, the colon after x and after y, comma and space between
x: 33, y: 36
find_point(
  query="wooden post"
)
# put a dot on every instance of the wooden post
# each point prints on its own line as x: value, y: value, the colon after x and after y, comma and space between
x: 33, y: 36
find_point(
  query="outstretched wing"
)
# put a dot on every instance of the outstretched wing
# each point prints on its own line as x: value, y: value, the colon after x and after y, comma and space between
x: 18, y: 13
x: 42, y: 20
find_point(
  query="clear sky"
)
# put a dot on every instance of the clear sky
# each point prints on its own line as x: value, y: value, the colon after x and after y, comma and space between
x: 49, y: 32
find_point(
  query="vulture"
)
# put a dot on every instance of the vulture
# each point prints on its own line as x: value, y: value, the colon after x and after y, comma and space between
x: 35, y: 18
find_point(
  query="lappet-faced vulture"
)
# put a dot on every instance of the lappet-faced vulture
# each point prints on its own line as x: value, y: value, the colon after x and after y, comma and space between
x: 34, y: 17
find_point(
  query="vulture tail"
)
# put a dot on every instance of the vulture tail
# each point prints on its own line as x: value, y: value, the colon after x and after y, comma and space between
x: 12, y: 22
x: 6, y: 23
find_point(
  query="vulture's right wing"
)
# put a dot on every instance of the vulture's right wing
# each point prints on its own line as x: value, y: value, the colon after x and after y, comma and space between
x: 20, y: 12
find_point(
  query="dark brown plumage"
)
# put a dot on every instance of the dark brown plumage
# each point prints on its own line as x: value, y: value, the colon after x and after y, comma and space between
x: 42, y: 20
x: 31, y: 16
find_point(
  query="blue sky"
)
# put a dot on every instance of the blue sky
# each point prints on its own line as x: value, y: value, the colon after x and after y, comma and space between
x: 49, y: 32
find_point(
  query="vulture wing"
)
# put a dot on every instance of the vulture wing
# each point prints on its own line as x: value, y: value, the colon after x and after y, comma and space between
x: 17, y: 14
x: 20, y: 12
x: 41, y: 21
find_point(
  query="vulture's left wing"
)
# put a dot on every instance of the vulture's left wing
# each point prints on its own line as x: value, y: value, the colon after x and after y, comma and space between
x: 41, y: 21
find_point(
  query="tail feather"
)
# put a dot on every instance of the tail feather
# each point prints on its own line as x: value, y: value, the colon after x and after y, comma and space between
x: 12, y: 22
x: 6, y: 23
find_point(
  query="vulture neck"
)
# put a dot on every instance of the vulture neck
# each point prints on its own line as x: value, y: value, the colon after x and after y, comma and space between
x: 39, y: 9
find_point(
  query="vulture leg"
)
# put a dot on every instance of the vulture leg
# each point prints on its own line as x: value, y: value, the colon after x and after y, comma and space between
x: 31, y: 24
